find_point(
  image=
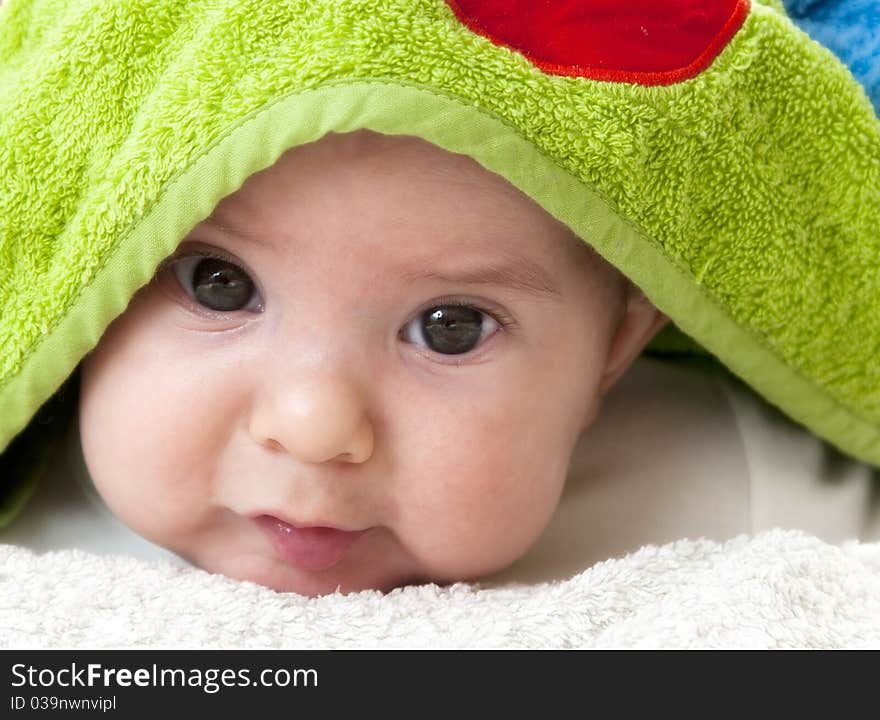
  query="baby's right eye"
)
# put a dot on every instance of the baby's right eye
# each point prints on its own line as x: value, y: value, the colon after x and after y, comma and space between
x: 217, y: 284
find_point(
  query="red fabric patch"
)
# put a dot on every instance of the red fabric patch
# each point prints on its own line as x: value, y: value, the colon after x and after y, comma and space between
x: 649, y: 42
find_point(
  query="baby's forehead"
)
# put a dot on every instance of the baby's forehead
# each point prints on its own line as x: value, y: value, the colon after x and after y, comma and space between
x: 407, y: 185
x: 373, y: 154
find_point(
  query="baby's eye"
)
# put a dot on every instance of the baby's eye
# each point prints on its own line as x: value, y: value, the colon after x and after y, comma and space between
x: 217, y: 284
x: 450, y: 329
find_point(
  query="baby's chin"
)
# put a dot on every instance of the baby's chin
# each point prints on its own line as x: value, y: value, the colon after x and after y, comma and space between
x: 277, y: 576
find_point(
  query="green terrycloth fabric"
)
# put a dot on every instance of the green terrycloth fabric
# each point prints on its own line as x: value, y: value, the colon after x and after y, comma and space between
x: 744, y: 201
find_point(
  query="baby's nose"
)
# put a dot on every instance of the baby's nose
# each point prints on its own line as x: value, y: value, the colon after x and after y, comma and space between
x: 317, y: 418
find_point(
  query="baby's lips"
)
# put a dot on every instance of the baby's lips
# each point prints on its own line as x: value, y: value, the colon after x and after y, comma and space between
x: 308, y: 548
x: 639, y: 41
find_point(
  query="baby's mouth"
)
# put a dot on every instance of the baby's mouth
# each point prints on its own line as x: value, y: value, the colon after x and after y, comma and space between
x: 308, y: 548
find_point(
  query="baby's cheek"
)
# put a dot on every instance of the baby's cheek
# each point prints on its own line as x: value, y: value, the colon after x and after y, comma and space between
x: 135, y: 466
x: 141, y: 448
x: 519, y: 486
x: 485, y: 504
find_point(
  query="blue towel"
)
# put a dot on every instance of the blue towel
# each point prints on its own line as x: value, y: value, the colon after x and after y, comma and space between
x: 851, y: 30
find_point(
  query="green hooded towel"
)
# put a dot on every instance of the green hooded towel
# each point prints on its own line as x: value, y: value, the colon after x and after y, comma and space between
x: 711, y: 151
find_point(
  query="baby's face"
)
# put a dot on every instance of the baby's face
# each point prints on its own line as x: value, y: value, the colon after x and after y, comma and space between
x: 373, y: 334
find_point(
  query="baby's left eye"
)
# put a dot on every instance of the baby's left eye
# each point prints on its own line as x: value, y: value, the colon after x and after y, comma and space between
x: 450, y: 328
x: 216, y: 284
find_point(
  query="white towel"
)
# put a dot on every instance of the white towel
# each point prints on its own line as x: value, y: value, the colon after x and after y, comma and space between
x: 778, y: 589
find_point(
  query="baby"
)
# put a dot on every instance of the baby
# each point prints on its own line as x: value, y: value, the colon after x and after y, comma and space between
x: 369, y: 367
x: 378, y: 363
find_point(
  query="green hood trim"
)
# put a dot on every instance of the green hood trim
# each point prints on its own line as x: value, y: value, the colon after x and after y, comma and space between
x: 744, y: 201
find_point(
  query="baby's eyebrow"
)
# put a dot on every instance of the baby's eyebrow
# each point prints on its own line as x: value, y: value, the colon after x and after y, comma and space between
x: 516, y: 273
x: 233, y: 230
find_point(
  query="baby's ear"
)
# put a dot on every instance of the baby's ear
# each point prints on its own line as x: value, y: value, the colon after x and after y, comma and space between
x: 638, y: 324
